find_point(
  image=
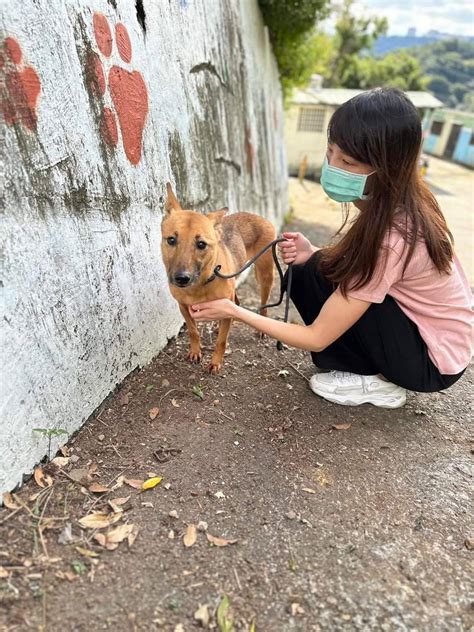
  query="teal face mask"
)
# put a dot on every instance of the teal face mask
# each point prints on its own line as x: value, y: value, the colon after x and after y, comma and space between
x: 342, y: 185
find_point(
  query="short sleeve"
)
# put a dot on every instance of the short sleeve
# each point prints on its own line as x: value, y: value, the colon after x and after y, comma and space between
x: 388, y: 270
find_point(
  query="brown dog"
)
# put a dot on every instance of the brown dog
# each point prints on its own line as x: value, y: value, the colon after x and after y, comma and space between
x: 194, y: 244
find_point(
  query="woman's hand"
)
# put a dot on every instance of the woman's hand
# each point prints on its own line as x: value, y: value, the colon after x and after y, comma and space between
x: 297, y: 249
x: 214, y: 310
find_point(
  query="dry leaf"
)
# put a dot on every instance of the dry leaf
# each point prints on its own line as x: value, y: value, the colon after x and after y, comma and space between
x: 308, y: 490
x: 60, y: 461
x: 153, y: 412
x: 341, y: 426
x: 152, y: 482
x: 132, y: 536
x: 99, y: 520
x: 175, y: 403
x: 119, y: 482
x: 86, y: 552
x: 219, y: 541
x: 33, y: 497
x: 134, y: 482
x: 124, y: 399
x: 3, y: 572
x: 97, y: 488
x: 112, y: 539
x: 80, y: 475
x: 9, y: 501
x: 65, y: 451
x: 42, y: 479
x: 116, y: 503
x: 190, y: 535
x: 202, y: 615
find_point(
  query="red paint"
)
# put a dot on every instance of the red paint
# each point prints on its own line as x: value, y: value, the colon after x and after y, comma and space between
x: 130, y: 99
x: 127, y: 90
x: 108, y: 128
x: 21, y: 89
x: 95, y: 74
x: 124, y: 44
x: 102, y: 33
x: 13, y: 50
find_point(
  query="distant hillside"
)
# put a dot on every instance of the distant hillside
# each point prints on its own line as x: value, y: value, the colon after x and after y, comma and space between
x: 449, y: 64
x: 387, y: 44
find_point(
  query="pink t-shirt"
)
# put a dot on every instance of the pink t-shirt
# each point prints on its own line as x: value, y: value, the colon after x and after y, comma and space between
x: 439, y: 304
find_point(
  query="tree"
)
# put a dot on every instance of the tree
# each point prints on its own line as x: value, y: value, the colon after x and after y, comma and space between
x: 353, y: 36
x: 292, y: 30
x: 395, y: 70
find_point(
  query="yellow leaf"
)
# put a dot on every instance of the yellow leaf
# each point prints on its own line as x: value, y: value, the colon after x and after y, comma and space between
x: 152, y: 482
x: 99, y: 520
x: 190, y: 535
x: 86, y: 552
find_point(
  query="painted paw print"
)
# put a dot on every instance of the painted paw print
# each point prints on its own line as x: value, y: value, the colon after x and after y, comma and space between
x: 127, y: 90
x: 20, y: 87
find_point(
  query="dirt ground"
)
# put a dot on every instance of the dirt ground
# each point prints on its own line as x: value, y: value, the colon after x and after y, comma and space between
x: 327, y: 517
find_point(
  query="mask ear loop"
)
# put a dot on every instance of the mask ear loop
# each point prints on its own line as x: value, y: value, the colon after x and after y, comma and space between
x: 368, y: 196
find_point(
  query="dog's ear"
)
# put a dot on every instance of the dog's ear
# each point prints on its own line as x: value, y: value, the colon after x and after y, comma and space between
x: 216, y: 217
x: 171, y: 203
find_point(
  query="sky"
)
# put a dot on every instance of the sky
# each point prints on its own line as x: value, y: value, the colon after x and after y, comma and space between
x: 448, y: 16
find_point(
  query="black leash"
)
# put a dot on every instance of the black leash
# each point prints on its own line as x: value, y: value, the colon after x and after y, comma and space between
x: 272, y: 245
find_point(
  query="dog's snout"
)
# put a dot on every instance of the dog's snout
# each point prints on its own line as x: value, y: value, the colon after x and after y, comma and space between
x: 182, y: 278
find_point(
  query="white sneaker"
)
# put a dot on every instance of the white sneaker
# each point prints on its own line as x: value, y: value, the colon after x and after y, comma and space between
x: 350, y: 389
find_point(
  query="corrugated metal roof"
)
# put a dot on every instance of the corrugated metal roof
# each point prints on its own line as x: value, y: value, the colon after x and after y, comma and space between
x: 338, y: 96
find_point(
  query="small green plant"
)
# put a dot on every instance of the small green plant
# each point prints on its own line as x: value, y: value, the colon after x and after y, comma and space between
x: 78, y: 567
x: 50, y: 433
x: 197, y: 390
x: 173, y: 605
x: 225, y: 624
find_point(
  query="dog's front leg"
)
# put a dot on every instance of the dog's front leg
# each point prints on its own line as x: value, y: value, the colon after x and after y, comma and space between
x: 221, y: 343
x: 194, y: 353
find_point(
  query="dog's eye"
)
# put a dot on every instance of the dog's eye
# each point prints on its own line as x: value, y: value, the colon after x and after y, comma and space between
x: 171, y: 241
x: 201, y: 245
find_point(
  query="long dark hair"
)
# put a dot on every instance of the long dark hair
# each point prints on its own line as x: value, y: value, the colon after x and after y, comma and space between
x: 382, y: 128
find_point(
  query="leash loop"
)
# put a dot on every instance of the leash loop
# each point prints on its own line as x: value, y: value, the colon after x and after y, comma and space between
x: 217, y: 273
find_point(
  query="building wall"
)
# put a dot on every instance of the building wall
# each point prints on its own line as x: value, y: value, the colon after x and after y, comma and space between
x: 463, y: 151
x: 300, y: 144
x: 103, y: 103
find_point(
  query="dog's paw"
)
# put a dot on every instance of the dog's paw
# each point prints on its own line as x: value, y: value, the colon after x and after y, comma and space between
x: 214, y: 368
x: 194, y: 356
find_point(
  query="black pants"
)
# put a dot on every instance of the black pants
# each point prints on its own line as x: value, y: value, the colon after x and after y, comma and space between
x: 384, y: 340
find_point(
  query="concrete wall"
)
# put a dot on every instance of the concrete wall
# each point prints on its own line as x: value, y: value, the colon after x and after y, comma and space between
x: 103, y: 103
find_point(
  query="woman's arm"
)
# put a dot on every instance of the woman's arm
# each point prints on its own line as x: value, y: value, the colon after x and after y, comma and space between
x: 337, y: 315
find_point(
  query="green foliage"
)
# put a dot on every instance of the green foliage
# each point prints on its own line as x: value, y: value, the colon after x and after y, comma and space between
x: 292, y: 30
x: 450, y: 66
x: 396, y: 70
x: 353, y: 36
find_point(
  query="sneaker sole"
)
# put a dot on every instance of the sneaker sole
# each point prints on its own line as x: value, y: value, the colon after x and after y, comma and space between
x: 398, y: 401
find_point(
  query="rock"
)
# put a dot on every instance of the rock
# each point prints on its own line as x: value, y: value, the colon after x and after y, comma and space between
x: 290, y: 515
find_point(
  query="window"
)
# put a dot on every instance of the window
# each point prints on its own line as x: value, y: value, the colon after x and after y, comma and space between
x: 436, y: 127
x: 311, y: 119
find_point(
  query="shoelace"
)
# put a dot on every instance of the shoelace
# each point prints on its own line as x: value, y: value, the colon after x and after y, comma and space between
x: 351, y: 378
